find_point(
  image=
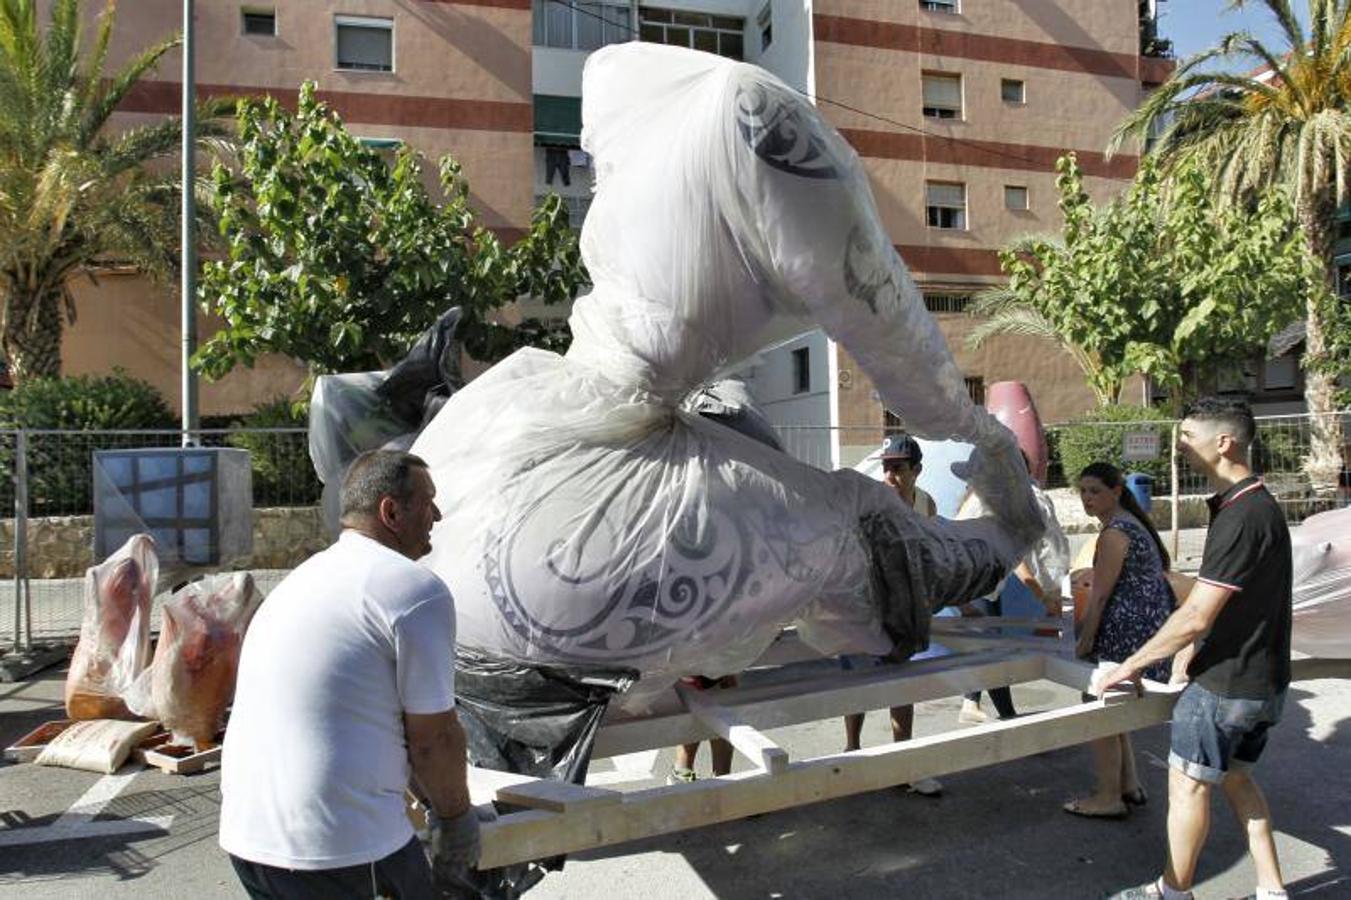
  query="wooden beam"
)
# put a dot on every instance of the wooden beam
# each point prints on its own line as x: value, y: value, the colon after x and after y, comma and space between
x: 753, y: 745
x: 486, y: 785
x: 976, y: 623
x: 518, y: 837
x: 808, y: 700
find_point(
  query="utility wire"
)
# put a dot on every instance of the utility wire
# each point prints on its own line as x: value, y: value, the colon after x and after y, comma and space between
x: 981, y: 147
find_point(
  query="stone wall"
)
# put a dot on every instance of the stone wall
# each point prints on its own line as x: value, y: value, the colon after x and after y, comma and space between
x: 62, y: 546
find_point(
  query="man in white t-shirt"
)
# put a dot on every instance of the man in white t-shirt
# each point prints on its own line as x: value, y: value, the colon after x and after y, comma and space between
x: 345, y: 696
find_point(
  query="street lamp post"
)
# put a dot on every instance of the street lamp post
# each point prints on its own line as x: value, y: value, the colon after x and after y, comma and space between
x: 188, y: 249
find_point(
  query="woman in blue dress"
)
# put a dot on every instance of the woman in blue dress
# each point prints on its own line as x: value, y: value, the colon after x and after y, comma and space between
x: 1130, y: 601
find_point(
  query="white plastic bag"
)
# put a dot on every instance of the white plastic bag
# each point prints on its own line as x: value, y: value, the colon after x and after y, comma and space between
x: 192, y: 677
x: 114, y: 643
x: 587, y: 518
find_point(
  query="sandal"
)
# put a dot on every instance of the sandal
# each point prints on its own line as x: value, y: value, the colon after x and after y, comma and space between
x: 1077, y: 808
x: 1137, y: 797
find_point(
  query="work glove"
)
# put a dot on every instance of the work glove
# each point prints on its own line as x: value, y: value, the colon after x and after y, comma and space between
x: 455, y: 840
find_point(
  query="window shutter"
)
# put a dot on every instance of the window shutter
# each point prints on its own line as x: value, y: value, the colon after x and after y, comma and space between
x: 943, y: 91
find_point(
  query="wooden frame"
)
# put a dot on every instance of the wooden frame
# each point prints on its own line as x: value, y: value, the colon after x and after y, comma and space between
x: 563, y: 818
x: 560, y: 818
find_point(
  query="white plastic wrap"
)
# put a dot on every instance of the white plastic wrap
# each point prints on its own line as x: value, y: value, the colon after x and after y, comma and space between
x: 114, y: 644
x: 588, y: 519
x: 192, y: 677
x: 1321, y: 549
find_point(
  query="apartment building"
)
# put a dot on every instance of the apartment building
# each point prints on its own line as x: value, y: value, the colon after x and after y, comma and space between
x: 958, y: 107
x: 446, y: 77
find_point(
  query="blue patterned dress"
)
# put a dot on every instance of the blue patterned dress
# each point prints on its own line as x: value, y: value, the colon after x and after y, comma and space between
x: 1141, y: 601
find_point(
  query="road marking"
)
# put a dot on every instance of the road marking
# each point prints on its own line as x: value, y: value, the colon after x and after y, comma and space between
x: 77, y: 823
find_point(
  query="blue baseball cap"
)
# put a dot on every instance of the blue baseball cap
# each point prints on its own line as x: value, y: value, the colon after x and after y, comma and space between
x: 901, y: 446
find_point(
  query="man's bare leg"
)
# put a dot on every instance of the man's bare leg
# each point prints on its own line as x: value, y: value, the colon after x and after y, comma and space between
x: 686, y: 754
x: 853, y: 728
x: 721, y: 752
x: 902, y: 723
x: 1188, y: 825
x: 1250, y: 806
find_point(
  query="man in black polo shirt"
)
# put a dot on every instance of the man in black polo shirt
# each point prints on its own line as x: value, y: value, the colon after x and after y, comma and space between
x: 1239, y: 611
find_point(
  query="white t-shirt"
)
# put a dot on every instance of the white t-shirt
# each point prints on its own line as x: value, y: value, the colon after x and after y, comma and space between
x: 315, y: 760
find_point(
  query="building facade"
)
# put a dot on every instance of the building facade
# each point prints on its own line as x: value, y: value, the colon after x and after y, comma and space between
x: 958, y: 108
x: 445, y: 77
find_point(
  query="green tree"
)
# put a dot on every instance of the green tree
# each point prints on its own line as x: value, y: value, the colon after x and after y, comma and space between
x: 1161, y: 281
x: 73, y: 194
x: 1280, y: 115
x: 340, y: 259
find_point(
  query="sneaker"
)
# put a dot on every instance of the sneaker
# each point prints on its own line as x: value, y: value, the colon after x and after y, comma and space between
x: 681, y: 776
x: 971, y: 713
x: 926, y: 787
x: 1150, y: 891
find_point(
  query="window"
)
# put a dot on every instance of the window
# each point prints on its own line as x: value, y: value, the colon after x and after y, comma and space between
x: 945, y: 205
x: 580, y: 25
x: 766, y: 22
x: 802, y: 370
x: 1281, y: 373
x: 702, y: 31
x: 365, y: 44
x: 1013, y: 90
x: 946, y: 303
x: 942, y: 95
x: 1015, y: 197
x: 947, y: 6
x: 260, y: 21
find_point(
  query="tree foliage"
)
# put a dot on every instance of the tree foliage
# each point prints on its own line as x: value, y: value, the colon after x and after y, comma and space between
x: 1161, y: 279
x: 75, y: 194
x: 1278, y: 115
x: 340, y: 258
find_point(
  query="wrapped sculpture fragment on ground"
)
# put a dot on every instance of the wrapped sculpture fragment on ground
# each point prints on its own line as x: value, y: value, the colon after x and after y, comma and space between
x: 592, y: 523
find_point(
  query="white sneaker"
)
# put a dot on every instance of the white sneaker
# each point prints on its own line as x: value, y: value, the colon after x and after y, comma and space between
x: 926, y: 787
x: 971, y: 713
x: 681, y: 776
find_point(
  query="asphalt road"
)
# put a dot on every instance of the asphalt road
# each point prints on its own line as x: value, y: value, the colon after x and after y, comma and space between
x: 995, y: 832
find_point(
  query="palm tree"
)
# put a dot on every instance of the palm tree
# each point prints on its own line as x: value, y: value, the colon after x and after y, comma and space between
x: 1004, y: 312
x: 1281, y: 117
x: 74, y: 195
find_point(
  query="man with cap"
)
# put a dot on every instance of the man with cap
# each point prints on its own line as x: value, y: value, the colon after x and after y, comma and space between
x: 901, y: 465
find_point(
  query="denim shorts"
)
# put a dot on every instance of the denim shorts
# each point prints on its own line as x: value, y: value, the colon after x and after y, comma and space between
x: 1212, y: 735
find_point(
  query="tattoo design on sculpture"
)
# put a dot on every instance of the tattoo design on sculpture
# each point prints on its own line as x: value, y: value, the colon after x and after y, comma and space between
x: 779, y: 134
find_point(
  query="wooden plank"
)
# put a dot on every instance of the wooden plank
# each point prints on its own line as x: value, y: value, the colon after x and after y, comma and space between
x: 487, y: 785
x: 753, y: 745
x: 955, y: 641
x: 519, y: 837
x: 809, y: 700
x: 1310, y: 668
x: 28, y: 747
x: 976, y: 623
x: 175, y: 763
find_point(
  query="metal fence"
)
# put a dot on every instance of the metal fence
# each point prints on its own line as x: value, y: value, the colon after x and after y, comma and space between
x: 46, y: 475
x: 1279, y: 453
x: 46, y: 479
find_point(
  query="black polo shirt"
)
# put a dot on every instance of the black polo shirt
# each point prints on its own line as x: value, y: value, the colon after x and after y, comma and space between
x: 1247, y: 652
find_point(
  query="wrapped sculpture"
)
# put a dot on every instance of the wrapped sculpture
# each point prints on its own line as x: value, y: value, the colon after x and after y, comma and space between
x: 192, y: 677
x: 590, y: 521
x: 114, y: 643
x: 1321, y: 548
